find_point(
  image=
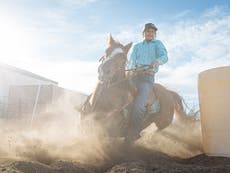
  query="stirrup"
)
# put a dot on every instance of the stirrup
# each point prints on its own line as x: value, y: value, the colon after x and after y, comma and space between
x: 155, y: 107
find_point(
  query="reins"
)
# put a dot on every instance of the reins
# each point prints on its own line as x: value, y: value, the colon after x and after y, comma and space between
x: 135, y: 71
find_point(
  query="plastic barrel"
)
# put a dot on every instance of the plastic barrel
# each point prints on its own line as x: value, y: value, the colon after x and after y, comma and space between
x: 214, y: 101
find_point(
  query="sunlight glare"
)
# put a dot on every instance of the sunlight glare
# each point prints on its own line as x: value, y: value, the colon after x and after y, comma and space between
x: 15, y: 42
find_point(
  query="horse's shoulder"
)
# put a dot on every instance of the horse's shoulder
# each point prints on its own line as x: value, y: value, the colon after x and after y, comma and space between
x: 159, y: 86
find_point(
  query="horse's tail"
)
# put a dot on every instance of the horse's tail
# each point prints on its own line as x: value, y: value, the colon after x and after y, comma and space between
x: 178, y: 107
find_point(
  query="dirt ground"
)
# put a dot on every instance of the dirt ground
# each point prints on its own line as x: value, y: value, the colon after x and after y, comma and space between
x: 58, y: 148
x: 146, y: 162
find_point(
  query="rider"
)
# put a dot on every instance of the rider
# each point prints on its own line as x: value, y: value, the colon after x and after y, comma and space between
x: 148, y: 54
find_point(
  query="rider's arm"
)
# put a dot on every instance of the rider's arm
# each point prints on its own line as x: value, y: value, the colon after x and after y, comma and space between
x: 161, y: 53
x: 154, y: 64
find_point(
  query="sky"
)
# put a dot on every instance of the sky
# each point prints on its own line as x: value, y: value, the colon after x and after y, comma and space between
x: 63, y: 39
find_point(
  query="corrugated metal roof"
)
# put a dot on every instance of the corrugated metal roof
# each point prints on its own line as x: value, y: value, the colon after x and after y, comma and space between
x: 26, y: 73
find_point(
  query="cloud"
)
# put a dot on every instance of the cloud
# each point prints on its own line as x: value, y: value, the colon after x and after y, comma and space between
x: 215, y: 11
x: 195, y: 46
x: 74, y: 4
x: 181, y: 14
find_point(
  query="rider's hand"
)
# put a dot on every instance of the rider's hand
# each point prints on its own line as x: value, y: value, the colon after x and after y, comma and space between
x: 154, y: 64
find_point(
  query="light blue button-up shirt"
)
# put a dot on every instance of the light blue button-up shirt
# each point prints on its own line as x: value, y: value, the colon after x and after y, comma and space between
x: 144, y: 53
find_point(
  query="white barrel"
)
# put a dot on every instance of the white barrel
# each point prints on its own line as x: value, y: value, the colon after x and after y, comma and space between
x: 214, y: 100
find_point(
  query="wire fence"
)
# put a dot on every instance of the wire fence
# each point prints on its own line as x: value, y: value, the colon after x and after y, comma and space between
x: 18, y: 108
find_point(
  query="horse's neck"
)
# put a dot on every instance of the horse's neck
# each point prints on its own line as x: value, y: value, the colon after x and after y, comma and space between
x: 119, y: 77
x: 102, y: 89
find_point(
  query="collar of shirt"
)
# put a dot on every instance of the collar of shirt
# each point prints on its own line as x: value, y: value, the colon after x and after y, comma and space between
x: 146, y: 42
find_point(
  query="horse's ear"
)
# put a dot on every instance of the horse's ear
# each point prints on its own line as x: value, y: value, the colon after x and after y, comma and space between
x: 127, y: 47
x: 110, y: 39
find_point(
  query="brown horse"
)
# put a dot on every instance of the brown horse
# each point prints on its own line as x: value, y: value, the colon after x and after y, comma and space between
x: 109, y: 104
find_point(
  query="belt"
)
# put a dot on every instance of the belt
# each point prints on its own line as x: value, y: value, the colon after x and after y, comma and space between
x: 149, y: 72
x: 142, y: 72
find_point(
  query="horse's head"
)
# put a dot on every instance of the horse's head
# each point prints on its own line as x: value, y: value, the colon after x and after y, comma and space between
x: 114, y: 60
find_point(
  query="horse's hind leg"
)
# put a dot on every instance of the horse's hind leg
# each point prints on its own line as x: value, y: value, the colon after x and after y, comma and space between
x: 164, y: 117
x: 178, y: 106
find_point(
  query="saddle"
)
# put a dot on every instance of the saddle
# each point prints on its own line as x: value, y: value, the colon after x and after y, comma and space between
x: 152, y: 105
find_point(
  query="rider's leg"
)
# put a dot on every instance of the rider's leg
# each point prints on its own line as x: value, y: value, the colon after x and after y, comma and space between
x: 144, y: 85
x: 153, y: 105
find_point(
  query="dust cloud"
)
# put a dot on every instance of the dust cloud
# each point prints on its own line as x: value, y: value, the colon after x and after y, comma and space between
x: 56, y: 134
x: 180, y: 139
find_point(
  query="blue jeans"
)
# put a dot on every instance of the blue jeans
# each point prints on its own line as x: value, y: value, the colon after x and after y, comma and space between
x: 144, y: 84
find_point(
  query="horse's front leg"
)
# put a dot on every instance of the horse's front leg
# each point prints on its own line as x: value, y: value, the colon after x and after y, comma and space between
x: 96, y: 95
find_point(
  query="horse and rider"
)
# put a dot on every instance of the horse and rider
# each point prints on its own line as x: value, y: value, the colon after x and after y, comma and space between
x: 128, y: 90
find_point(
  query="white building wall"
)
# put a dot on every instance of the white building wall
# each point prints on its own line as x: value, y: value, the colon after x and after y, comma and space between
x: 8, y: 78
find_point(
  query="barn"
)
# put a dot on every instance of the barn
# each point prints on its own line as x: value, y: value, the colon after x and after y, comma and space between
x: 23, y: 93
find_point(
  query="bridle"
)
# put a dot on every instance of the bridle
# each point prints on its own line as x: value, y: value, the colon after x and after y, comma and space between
x: 109, y: 82
x: 113, y: 53
x: 105, y: 59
